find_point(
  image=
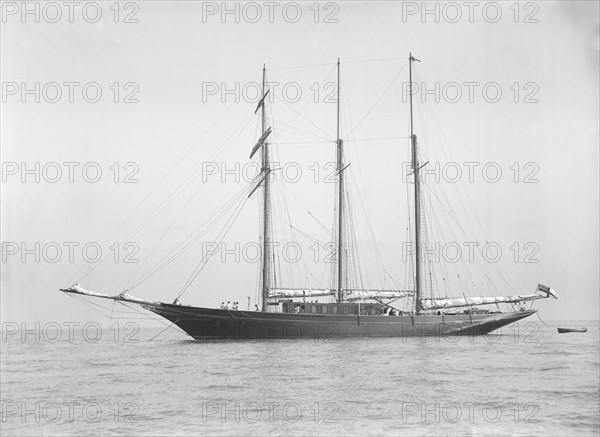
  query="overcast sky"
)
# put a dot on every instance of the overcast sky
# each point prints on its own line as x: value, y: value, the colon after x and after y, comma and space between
x: 164, y: 70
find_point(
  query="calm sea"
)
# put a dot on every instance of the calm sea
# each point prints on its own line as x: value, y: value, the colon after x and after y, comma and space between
x: 529, y: 380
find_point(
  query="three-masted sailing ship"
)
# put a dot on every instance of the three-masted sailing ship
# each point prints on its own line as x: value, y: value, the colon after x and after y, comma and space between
x: 285, y: 313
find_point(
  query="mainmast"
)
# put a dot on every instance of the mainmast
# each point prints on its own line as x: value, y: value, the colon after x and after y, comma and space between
x: 415, y: 166
x: 265, y: 171
x: 340, y: 168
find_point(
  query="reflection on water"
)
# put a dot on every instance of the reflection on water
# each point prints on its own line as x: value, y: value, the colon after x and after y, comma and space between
x: 517, y: 383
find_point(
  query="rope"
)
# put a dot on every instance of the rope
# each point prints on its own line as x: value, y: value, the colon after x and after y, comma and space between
x: 538, y: 314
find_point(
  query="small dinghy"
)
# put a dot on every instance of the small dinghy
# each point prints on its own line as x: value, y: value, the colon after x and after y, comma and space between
x: 565, y: 330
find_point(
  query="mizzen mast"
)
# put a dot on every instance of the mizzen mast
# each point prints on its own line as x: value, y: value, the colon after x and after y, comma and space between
x: 340, y: 173
x: 415, y: 166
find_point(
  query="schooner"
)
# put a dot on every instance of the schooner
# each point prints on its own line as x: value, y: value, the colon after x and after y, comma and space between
x: 285, y: 312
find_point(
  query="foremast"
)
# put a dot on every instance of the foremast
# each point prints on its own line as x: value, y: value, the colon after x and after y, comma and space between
x: 266, y: 196
x: 417, y: 179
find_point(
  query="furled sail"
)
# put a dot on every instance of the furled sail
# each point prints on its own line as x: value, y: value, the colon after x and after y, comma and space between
x: 260, y: 142
x: 542, y: 292
x: 350, y: 294
x: 78, y: 288
x: 258, y: 184
x: 296, y: 292
x: 124, y: 296
x: 260, y: 103
x: 378, y: 294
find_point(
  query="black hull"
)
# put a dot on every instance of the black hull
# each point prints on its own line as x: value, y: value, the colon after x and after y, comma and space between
x: 205, y: 324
